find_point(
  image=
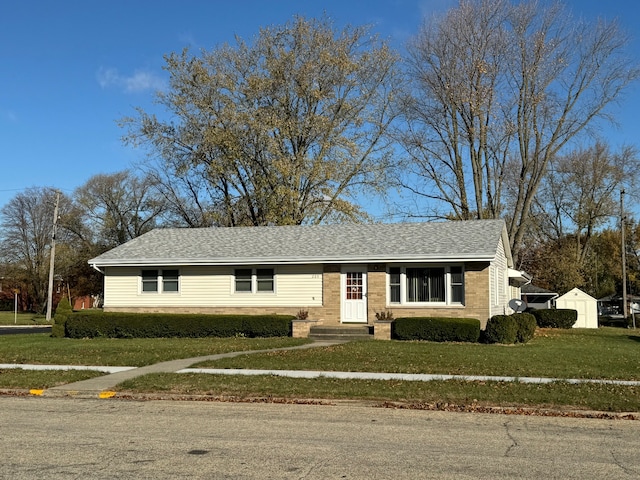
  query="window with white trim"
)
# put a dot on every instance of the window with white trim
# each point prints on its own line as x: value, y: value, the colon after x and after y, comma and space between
x: 441, y: 285
x: 254, y: 280
x: 170, y: 280
x: 457, y: 284
x: 243, y: 280
x: 264, y: 280
x: 394, y: 285
x: 160, y: 281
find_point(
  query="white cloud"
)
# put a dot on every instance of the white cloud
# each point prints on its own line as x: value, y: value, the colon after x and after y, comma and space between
x: 140, y: 81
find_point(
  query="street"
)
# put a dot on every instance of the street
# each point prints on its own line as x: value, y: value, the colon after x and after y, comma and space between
x: 74, y: 438
x: 17, y: 329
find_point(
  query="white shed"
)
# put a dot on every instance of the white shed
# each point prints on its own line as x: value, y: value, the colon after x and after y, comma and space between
x: 584, y: 304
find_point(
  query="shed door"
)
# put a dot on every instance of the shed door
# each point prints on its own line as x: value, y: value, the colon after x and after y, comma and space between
x: 354, y: 294
x: 580, y: 307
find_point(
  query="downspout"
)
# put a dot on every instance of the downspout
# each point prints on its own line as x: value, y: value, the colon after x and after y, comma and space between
x: 95, y: 267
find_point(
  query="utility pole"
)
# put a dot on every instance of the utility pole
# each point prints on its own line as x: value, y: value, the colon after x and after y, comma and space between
x: 52, y: 260
x: 624, y: 258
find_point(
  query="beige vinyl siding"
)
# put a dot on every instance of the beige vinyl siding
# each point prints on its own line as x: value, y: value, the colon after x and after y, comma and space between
x: 499, y: 281
x: 514, y: 292
x: 203, y: 286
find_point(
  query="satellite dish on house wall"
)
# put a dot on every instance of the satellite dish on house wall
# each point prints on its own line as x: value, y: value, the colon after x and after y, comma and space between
x: 517, y: 305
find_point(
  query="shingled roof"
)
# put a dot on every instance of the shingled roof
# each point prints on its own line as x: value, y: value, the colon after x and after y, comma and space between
x: 340, y: 243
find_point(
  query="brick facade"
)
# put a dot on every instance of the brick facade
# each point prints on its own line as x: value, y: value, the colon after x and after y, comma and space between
x: 476, y: 286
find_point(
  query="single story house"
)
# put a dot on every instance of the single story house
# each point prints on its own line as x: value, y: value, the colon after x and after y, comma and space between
x: 339, y: 274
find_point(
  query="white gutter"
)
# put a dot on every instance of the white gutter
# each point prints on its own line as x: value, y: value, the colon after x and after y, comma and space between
x: 96, y: 268
x: 150, y: 262
x: 519, y: 275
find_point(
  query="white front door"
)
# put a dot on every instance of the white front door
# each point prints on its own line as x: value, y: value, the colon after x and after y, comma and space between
x: 354, y: 294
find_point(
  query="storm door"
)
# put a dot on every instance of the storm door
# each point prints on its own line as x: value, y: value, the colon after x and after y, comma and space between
x: 354, y: 294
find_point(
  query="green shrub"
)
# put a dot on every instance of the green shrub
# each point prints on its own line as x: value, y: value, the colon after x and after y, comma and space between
x: 526, y: 323
x: 63, y: 312
x: 156, y: 325
x: 556, y: 318
x: 516, y: 328
x: 436, y: 329
x: 501, y: 329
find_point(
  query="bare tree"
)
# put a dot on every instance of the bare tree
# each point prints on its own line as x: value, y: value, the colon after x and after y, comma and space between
x: 580, y: 194
x: 286, y: 130
x: 25, y: 239
x: 187, y: 194
x: 454, y: 108
x: 111, y: 209
x: 500, y: 88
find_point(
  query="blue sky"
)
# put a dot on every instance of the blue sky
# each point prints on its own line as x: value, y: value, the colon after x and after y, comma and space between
x: 71, y: 68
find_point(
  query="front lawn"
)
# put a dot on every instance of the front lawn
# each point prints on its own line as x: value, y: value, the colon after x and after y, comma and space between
x: 10, y: 318
x: 611, y: 353
x: 130, y: 352
x: 606, y: 353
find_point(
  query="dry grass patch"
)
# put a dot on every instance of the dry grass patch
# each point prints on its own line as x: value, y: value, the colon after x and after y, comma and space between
x: 610, y: 398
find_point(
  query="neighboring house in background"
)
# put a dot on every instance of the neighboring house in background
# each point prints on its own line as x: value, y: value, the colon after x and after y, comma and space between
x: 537, y: 297
x: 611, y: 305
x: 8, y: 296
x: 584, y: 304
x: 82, y: 303
x: 86, y: 301
x: 339, y: 274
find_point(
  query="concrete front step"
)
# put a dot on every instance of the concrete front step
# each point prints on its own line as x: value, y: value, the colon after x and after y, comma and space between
x: 341, y: 333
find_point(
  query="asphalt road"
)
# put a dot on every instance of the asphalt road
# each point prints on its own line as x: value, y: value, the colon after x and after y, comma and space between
x: 11, y: 330
x: 75, y: 438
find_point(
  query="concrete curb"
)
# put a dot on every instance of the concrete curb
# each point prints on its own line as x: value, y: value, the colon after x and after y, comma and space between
x: 329, y: 402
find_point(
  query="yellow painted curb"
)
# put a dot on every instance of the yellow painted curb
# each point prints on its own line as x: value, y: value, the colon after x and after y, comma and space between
x: 106, y: 394
x: 34, y: 391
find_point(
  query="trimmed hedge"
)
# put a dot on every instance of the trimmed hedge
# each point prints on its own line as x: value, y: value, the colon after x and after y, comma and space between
x: 437, y: 329
x: 556, y: 317
x: 516, y: 328
x: 63, y: 312
x: 157, y: 325
x: 526, y: 327
x: 501, y: 329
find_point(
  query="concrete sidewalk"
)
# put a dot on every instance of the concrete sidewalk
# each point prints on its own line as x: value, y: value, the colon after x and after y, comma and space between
x: 96, y: 387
